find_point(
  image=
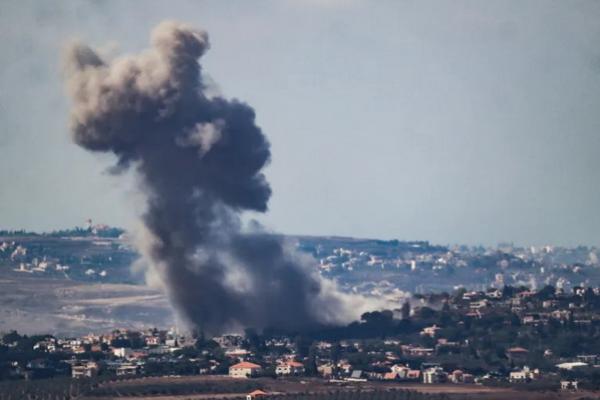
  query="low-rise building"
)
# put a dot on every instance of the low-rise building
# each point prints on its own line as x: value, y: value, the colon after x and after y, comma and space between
x: 290, y: 368
x: 524, y: 375
x: 256, y: 394
x: 244, y: 369
x: 430, y: 331
x: 121, y: 352
x: 434, y: 375
x: 152, y: 340
x: 569, y: 385
x: 417, y: 351
x: 87, y: 370
x: 326, y: 370
x: 357, y: 376
x: 413, y: 375
x: 517, y: 353
x: 127, y: 370
x: 456, y: 376
x: 390, y: 376
x: 400, y: 370
x: 569, y: 366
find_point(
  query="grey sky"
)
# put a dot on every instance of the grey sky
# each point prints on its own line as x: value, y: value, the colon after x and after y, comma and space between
x: 451, y: 121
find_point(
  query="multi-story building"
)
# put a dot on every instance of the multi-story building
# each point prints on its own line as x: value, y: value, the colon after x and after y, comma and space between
x: 244, y: 370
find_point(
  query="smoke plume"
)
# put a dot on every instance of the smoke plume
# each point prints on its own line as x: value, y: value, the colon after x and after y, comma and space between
x: 199, y: 160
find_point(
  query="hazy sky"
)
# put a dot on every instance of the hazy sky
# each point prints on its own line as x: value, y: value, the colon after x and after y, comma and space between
x: 450, y: 121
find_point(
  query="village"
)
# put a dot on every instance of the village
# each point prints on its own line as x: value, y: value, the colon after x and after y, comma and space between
x: 494, y: 337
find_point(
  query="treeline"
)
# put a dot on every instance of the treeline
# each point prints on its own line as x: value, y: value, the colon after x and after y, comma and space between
x: 372, y: 325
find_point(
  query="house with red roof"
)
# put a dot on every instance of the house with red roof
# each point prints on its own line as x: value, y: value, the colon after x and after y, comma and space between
x: 244, y: 369
x: 390, y: 376
x: 255, y: 394
x: 517, y: 353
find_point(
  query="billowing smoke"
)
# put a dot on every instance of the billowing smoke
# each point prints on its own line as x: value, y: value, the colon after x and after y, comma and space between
x: 199, y: 159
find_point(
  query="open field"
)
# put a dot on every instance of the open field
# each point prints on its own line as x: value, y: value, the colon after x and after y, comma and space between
x: 225, y: 387
x: 63, y: 307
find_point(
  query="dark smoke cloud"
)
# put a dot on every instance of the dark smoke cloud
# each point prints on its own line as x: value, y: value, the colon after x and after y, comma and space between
x: 199, y: 160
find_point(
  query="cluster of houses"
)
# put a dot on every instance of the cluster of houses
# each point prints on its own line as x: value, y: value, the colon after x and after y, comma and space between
x: 429, y: 373
x: 45, y: 256
x: 120, y: 357
x: 527, y: 305
x: 126, y: 353
x: 562, y: 306
x: 561, y: 267
x: 123, y: 360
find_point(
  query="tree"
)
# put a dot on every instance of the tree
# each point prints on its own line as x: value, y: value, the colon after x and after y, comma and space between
x: 426, y: 312
x: 377, y: 323
x: 445, y: 317
x: 302, y: 344
x: 11, y: 337
x: 458, y: 295
x: 508, y: 292
x: 547, y: 292
x: 253, y: 341
x: 336, y: 352
x: 405, y: 310
x: 310, y: 366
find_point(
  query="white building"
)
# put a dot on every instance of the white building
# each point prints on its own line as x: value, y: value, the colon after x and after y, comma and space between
x: 430, y: 331
x: 572, y: 365
x: 290, y: 368
x: 524, y: 375
x: 88, y: 370
x: 434, y: 375
x: 400, y: 370
x: 121, y: 352
x: 127, y: 370
x: 569, y: 385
